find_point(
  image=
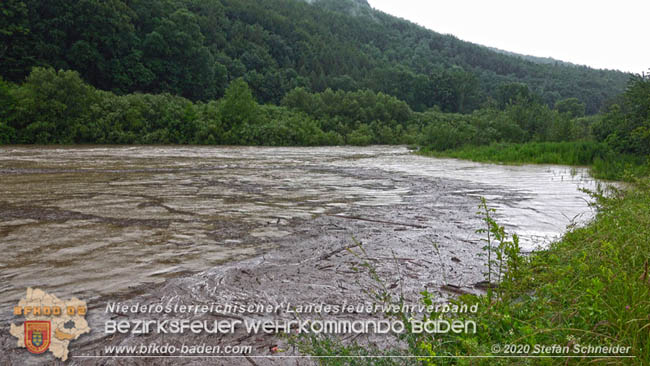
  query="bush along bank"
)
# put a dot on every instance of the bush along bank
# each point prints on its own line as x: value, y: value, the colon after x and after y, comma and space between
x: 615, y: 143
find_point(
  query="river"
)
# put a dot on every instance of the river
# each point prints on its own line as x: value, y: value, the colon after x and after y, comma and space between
x: 95, y: 221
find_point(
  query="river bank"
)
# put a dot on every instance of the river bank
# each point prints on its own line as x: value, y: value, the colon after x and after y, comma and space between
x: 584, y: 300
x: 603, y: 161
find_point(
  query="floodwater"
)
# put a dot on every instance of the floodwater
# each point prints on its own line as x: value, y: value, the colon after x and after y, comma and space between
x: 96, y: 221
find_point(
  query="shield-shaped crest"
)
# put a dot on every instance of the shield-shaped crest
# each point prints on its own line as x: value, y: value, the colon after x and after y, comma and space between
x: 37, y: 335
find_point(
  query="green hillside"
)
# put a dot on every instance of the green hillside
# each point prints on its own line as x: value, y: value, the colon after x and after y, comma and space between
x: 194, y: 48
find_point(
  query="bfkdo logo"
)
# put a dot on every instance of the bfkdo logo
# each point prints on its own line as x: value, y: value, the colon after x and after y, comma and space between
x: 50, y: 323
x: 37, y: 335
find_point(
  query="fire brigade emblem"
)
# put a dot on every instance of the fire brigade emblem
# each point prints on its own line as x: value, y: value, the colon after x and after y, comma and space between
x: 37, y: 335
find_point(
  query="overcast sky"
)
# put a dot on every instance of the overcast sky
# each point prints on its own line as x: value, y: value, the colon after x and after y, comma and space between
x: 600, y: 34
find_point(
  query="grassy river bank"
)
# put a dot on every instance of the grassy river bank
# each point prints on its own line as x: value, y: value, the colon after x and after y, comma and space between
x: 605, y: 163
x: 590, y: 289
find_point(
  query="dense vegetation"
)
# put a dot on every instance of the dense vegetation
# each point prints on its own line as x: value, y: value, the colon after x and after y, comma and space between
x: 616, y: 144
x: 59, y: 107
x: 195, y: 48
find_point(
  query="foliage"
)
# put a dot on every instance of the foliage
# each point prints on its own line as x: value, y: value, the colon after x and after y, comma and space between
x: 515, y: 124
x: 52, y: 107
x: 57, y: 107
x: 506, y: 253
x: 566, y: 153
x: 524, y: 131
x: 7, y: 105
x: 572, y: 107
x: 15, y: 58
x: 626, y: 125
x: 343, y: 74
x: 238, y: 106
x: 195, y: 48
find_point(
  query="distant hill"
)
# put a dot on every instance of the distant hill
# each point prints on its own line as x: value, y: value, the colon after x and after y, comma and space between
x: 535, y: 59
x: 363, y: 3
x: 194, y: 48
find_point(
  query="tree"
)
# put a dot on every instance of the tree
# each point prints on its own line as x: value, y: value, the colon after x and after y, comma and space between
x: 52, y: 106
x: 636, y: 119
x: 238, y: 106
x: 514, y: 94
x: 626, y: 125
x: 15, y: 54
x: 7, y: 103
x: 7, y: 133
x: 572, y: 107
x: 175, y: 52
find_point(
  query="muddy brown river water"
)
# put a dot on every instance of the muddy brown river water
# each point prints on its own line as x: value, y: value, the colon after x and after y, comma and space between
x: 96, y: 221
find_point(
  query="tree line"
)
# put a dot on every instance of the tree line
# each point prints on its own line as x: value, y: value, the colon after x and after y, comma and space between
x: 59, y: 107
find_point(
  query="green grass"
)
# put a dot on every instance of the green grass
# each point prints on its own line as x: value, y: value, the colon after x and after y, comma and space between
x: 590, y: 288
x: 604, y: 163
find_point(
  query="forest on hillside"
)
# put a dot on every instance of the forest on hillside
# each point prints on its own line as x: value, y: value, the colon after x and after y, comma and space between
x: 195, y: 48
